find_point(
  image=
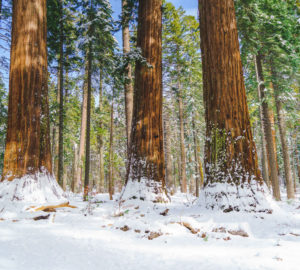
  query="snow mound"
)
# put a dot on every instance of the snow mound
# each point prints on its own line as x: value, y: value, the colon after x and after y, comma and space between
x: 229, y: 197
x: 30, y: 190
x: 145, y: 190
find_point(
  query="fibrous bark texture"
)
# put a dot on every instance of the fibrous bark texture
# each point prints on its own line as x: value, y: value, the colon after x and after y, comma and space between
x: 230, y: 153
x: 146, y: 162
x: 28, y: 138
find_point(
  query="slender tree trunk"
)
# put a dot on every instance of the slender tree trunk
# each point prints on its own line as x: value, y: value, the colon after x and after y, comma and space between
x: 191, y: 179
x: 168, y: 154
x: 284, y: 144
x: 75, y: 164
x: 146, y: 163
x: 61, y: 100
x: 128, y: 73
x: 264, y: 159
x: 56, y: 133
x: 196, y: 157
x: 28, y: 149
x: 272, y: 123
x: 88, y: 127
x: 81, y: 149
x: 100, y: 137
x: 293, y: 168
x: 53, y: 144
x: 230, y: 153
x: 183, y: 184
x: 267, y: 129
x: 111, y: 137
x: 297, y: 157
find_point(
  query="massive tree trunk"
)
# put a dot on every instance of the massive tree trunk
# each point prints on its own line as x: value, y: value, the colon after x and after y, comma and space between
x: 183, y: 184
x: 267, y: 129
x: 146, y: 170
x: 88, y: 126
x: 230, y: 153
x: 28, y: 150
x: 61, y: 100
x: 284, y: 144
x: 128, y: 73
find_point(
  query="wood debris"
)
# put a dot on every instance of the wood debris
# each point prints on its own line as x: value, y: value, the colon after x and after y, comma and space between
x: 125, y: 228
x: 154, y: 235
x: 49, y: 208
x: 189, y: 227
x: 164, y: 213
x: 41, y: 217
x: 220, y: 230
x: 239, y: 232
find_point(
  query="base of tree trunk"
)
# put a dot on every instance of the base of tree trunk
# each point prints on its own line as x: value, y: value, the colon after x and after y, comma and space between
x: 144, y: 190
x: 37, y: 189
x: 228, y: 197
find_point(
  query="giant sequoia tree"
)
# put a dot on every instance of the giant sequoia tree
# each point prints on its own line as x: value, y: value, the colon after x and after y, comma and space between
x: 27, y: 153
x: 146, y: 162
x: 230, y: 154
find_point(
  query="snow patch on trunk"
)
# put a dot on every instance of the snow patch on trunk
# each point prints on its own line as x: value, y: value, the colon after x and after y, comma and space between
x: 247, y: 197
x: 145, y: 190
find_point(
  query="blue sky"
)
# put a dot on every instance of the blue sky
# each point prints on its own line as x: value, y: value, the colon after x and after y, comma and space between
x: 190, y: 6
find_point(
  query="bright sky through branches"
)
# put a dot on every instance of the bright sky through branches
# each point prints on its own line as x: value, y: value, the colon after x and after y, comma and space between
x: 190, y: 6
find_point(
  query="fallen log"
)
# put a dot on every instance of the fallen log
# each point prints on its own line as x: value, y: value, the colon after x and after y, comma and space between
x: 50, y: 208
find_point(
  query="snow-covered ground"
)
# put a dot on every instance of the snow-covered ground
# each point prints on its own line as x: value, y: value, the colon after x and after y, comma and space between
x: 140, y: 235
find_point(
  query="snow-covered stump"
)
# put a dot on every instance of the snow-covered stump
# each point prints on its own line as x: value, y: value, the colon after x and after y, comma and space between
x: 227, y: 197
x: 29, y: 192
x: 144, y: 190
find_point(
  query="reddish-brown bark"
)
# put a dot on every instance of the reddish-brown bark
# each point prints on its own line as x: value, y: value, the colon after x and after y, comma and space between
x: 28, y: 137
x: 230, y: 153
x: 146, y: 148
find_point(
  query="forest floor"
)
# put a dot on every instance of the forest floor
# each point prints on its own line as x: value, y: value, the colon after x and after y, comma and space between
x: 137, y: 235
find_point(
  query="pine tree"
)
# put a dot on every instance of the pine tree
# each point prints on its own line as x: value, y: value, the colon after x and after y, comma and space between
x: 268, y: 30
